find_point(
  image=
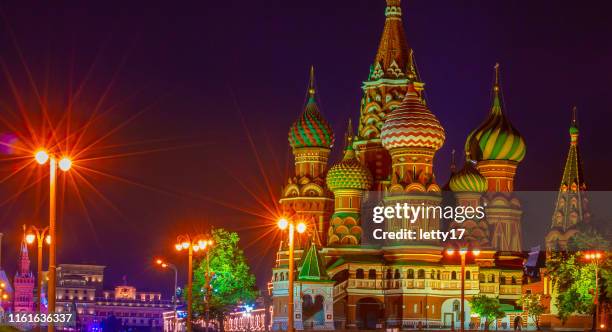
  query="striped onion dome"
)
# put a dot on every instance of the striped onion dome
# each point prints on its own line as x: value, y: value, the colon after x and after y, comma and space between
x: 349, y: 173
x: 468, y: 179
x: 412, y: 125
x: 311, y: 129
x: 496, y: 138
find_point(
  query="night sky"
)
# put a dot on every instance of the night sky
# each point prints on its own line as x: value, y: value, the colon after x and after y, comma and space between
x: 197, y: 80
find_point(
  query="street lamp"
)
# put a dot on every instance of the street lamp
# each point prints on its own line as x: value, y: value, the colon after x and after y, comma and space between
x: 595, y: 257
x: 39, y: 235
x: 167, y: 265
x: 283, y: 224
x: 3, y: 296
x: 463, y: 251
x: 192, y: 244
x: 42, y: 156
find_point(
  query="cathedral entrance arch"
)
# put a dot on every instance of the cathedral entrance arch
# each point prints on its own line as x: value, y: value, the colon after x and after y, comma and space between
x: 369, y: 313
x: 312, y: 311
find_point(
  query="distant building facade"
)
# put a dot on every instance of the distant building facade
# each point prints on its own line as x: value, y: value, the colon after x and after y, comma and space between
x: 24, y: 282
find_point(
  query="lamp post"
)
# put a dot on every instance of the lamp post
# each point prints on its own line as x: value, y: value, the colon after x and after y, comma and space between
x: 463, y: 251
x: 191, y: 244
x: 283, y: 224
x: 64, y: 164
x: 40, y: 236
x: 595, y: 257
x: 171, y: 266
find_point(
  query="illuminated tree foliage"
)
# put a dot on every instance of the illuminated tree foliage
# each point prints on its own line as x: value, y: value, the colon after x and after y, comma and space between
x: 574, y: 277
x: 232, y: 282
x: 532, y: 303
x: 487, y: 308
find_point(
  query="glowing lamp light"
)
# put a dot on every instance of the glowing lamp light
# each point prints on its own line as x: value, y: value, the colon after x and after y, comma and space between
x: 283, y: 223
x: 48, y: 239
x: 463, y: 251
x: 196, y: 248
x: 65, y: 163
x: 164, y: 265
x: 598, y: 255
x: 301, y: 227
x: 30, y: 238
x: 4, y: 296
x: 450, y: 251
x: 476, y: 252
x: 185, y: 245
x: 178, y: 246
x: 2, y: 285
x: 202, y: 244
x: 159, y: 262
x: 41, y: 156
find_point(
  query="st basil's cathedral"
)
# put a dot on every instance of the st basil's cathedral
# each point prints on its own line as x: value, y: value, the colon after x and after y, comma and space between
x: 345, y: 282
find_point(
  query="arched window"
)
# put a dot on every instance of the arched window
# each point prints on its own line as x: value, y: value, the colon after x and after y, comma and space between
x: 491, y: 278
x: 467, y: 275
x: 396, y: 275
x: 359, y: 274
x: 453, y: 275
x: 481, y: 277
x: 438, y: 275
x: 389, y: 274
x: 372, y: 274
x: 410, y: 274
x: 275, y: 276
x: 513, y: 280
x: 421, y: 274
x: 282, y: 276
x: 433, y: 274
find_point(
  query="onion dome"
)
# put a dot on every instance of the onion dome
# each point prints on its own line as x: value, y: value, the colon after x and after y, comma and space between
x: 311, y: 129
x: 496, y: 138
x: 468, y: 179
x: 573, y: 130
x: 349, y: 173
x: 412, y: 125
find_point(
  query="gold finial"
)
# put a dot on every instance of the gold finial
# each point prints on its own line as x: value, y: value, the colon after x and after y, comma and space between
x: 496, y: 86
x: 348, y: 136
x: 311, y: 86
x: 574, y: 110
x: 453, y: 165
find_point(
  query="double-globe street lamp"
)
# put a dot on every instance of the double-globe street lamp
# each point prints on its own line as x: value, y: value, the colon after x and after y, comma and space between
x: 192, y: 245
x: 595, y: 257
x: 463, y: 251
x: 64, y: 163
x: 284, y: 223
x: 40, y: 236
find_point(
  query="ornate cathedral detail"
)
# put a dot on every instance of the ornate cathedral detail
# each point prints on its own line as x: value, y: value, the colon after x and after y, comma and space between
x: 571, y: 208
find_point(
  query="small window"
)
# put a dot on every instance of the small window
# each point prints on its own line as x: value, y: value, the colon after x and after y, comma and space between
x: 396, y: 275
x: 372, y: 274
x: 359, y: 274
x: 467, y: 275
x: 410, y: 274
x: 453, y: 275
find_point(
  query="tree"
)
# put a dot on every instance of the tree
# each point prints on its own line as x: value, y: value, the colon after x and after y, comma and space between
x: 232, y: 281
x: 487, y: 308
x: 532, y: 303
x: 574, y: 277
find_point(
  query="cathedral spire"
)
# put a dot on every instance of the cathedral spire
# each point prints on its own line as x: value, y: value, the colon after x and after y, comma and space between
x: 496, y: 107
x: 393, y: 55
x: 572, y: 205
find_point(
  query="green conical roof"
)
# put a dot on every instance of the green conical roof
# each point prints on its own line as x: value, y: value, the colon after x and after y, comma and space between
x: 313, y: 267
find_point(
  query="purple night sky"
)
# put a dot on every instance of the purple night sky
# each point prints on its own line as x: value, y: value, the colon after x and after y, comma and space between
x: 203, y: 73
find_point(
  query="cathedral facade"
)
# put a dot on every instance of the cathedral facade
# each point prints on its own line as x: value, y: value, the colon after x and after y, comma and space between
x: 343, y: 282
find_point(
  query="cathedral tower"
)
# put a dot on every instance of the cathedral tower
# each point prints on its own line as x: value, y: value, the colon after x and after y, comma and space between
x: 24, y: 282
x: 348, y: 179
x: 311, y: 139
x: 412, y: 134
x: 383, y: 91
x: 498, y: 148
x: 571, y: 208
